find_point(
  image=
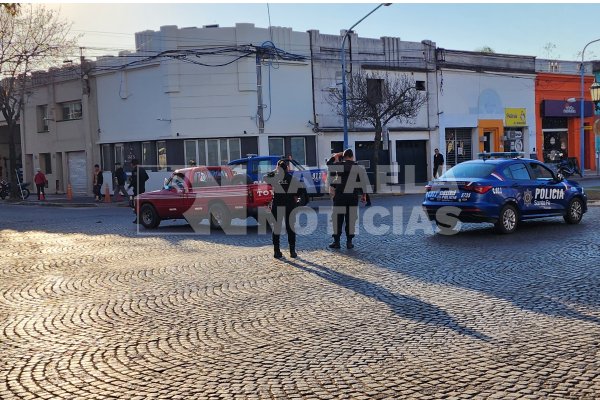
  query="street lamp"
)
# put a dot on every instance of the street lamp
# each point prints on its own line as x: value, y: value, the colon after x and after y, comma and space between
x: 343, y: 57
x: 581, y: 113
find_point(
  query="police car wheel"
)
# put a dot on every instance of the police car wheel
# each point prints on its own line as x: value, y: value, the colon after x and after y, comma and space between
x: 574, y: 212
x: 508, y: 219
x: 148, y: 217
x: 219, y: 216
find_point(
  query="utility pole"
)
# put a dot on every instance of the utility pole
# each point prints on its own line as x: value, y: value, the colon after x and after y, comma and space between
x: 260, y: 107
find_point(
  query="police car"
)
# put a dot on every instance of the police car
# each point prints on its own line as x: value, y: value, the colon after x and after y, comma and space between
x: 504, y: 192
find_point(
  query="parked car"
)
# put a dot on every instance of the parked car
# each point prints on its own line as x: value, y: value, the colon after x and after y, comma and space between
x: 253, y: 168
x: 202, y: 192
x: 503, y: 192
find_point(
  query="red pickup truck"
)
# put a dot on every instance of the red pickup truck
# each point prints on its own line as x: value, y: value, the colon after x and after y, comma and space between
x: 202, y: 192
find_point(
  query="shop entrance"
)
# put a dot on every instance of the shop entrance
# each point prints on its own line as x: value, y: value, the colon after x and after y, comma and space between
x: 555, y: 142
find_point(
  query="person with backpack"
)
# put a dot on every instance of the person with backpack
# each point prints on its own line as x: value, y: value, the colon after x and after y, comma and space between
x: 119, y: 179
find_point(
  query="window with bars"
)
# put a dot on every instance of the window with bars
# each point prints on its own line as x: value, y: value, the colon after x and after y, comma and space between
x: 458, y: 146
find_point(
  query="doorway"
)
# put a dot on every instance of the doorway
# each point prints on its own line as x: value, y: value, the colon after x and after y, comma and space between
x: 411, y: 154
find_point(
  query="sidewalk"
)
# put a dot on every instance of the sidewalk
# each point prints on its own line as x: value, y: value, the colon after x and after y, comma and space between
x: 60, y: 200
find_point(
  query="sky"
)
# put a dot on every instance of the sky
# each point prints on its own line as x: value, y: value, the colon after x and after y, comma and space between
x: 545, y: 30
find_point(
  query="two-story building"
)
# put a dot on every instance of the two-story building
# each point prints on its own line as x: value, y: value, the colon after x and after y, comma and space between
x: 59, y: 129
x: 208, y: 95
x: 407, y: 145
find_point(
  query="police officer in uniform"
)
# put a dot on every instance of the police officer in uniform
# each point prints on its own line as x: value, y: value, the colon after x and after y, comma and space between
x: 348, y: 181
x: 285, y: 200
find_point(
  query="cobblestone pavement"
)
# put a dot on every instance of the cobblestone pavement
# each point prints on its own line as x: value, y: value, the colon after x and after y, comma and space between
x: 89, y: 309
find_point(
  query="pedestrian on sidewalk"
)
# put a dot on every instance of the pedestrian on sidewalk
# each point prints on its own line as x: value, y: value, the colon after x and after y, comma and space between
x: 438, y: 162
x: 98, y: 182
x: 286, y: 190
x: 137, y: 181
x: 349, y: 181
x: 119, y: 179
x: 40, y: 183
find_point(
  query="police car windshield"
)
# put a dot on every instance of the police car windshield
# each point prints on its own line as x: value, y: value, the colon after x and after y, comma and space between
x: 469, y: 170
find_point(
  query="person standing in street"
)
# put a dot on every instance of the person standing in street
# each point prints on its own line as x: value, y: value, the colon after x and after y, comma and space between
x: 349, y: 182
x: 285, y: 199
x: 98, y: 182
x: 138, y: 179
x: 119, y: 179
x: 438, y: 162
x: 40, y: 183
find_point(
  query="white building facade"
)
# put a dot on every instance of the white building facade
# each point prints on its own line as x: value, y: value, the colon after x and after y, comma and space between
x: 486, y: 104
x: 208, y: 95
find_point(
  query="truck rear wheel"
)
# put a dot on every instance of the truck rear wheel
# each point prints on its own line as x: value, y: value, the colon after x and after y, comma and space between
x: 219, y: 216
x: 148, y: 216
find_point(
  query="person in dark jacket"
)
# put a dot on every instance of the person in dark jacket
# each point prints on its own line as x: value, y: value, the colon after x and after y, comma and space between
x: 98, y: 182
x: 119, y: 179
x: 138, y: 179
x: 438, y: 162
x: 285, y: 199
x: 348, y: 181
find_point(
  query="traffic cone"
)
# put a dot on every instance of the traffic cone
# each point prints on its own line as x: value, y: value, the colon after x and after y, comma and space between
x: 106, y: 194
x: 69, y: 192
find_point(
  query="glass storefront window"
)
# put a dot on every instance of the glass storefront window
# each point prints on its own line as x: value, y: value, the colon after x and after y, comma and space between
x: 298, y: 149
x: 161, y: 155
x: 276, y: 147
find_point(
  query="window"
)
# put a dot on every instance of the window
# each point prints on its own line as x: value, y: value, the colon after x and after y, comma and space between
x: 191, y: 152
x: 375, y: 91
x: 470, y: 170
x: 146, y: 153
x: 264, y: 167
x: 540, y: 172
x: 298, y: 149
x: 45, y: 163
x: 276, y: 147
x: 106, y: 164
x: 212, y: 151
x: 420, y: 86
x: 161, y: 155
x: 42, y: 113
x: 518, y: 171
x: 71, y: 110
x: 119, y: 153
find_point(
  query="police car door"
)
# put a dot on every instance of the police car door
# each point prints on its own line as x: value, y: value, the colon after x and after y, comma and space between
x: 548, y: 194
x: 520, y: 187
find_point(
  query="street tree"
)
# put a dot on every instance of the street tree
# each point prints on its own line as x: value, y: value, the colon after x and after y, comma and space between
x: 378, y: 98
x: 31, y: 38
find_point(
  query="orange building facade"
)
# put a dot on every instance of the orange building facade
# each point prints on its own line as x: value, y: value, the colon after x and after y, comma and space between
x: 558, y: 116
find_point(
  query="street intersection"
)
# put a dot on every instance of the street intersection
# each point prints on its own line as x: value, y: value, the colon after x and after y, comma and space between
x: 90, y: 308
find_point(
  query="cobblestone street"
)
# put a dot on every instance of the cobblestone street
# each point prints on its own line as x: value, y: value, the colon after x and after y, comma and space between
x: 90, y: 309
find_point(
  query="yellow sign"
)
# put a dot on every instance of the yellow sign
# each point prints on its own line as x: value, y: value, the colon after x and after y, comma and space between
x: 515, y: 117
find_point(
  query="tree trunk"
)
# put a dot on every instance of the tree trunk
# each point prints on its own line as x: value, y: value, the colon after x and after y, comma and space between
x: 15, y: 193
x: 375, y: 158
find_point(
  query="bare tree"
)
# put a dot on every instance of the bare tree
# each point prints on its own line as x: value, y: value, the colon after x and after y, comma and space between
x: 30, y: 39
x: 379, y: 98
x: 11, y: 8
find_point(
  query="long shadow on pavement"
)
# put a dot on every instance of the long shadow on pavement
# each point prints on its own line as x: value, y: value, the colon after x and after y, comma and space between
x: 404, y: 306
